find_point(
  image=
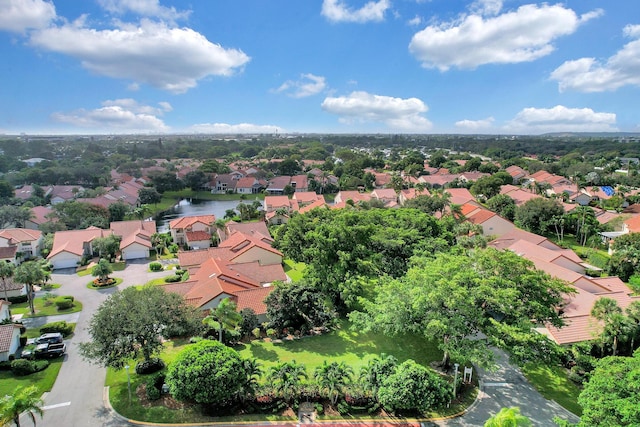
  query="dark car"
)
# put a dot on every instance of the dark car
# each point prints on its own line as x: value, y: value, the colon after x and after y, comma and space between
x: 52, y: 338
x: 51, y: 350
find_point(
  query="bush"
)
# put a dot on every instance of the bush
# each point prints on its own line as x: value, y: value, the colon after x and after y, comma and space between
x: 19, y: 299
x: 173, y: 279
x: 155, y: 266
x: 64, y: 303
x: 149, y: 366
x: 5, y: 365
x: 22, y: 367
x: 154, y: 386
x: 63, y: 327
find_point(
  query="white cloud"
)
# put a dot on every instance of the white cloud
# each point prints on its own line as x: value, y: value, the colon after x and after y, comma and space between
x: 308, y: 85
x: 522, y: 35
x: 116, y: 116
x: 149, y: 8
x: 337, y: 11
x: 233, y: 129
x: 173, y: 59
x: 396, y: 113
x: 415, y: 21
x: 20, y: 15
x: 487, y: 7
x: 475, y: 125
x: 561, y: 119
x: 589, y: 75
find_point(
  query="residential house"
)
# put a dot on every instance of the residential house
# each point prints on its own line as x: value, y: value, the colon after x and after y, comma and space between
x: 355, y: 196
x: 248, y: 185
x: 411, y: 193
x: 9, y: 288
x: 39, y: 217
x: 136, y: 238
x: 304, y: 198
x: 460, y: 196
x: 517, y: 173
x: 63, y: 193
x: 70, y: 246
x: 278, y: 209
x: 317, y: 204
x: 224, y: 183
x: 193, y: 231
x: 27, y: 242
x: 277, y: 184
x: 9, y: 341
x: 388, y: 196
x: 258, y: 228
x: 492, y: 224
x: 300, y: 183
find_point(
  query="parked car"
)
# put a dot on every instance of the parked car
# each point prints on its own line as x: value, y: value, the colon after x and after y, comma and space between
x: 51, y: 338
x: 46, y: 351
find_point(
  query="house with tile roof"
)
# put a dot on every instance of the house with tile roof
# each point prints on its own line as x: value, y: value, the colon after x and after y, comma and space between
x: 190, y: 230
x: 251, y: 228
x: 9, y: 340
x: 248, y: 185
x: 388, y: 196
x: 320, y: 203
x: 39, y: 217
x: 517, y: 173
x: 407, y: 194
x: 276, y: 185
x: 304, y: 198
x: 136, y: 238
x: 9, y: 288
x: 27, y: 242
x: 355, y: 196
x: 70, y: 246
x: 63, y: 193
x: 492, y: 224
x: 300, y: 183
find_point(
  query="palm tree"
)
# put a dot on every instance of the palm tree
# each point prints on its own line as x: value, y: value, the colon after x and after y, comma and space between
x: 23, y: 400
x: 603, y: 310
x: 286, y: 378
x: 252, y: 374
x: 633, y: 313
x: 508, y: 417
x: 6, y: 271
x: 30, y: 273
x: 224, y: 317
x: 102, y: 270
x: 376, y: 370
x: 333, y: 377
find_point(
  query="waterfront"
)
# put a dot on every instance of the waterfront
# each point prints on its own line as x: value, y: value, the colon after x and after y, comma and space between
x: 191, y: 207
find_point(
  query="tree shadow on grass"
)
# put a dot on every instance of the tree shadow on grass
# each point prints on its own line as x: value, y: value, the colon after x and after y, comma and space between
x: 262, y: 353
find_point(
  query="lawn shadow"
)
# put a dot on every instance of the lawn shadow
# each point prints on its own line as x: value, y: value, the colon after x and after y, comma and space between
x: 261, y: 353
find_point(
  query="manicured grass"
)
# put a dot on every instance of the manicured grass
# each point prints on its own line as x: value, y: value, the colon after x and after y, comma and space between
x: 553, y: 384
x: 155, y: 282
x: 43, y: 380
x: 42, y: 309
x: 343, y: 345
x: 35, y: 332
x: 293, y: 269
x: 115, y: 266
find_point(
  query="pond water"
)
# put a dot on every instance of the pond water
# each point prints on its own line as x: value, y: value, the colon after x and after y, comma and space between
x: 193, y: 207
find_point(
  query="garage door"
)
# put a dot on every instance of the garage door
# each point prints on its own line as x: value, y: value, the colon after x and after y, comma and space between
x: 64, y: 263
x: 135, y: 254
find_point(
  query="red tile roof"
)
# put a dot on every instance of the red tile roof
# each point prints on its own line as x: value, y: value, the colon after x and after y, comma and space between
x: 253, y: 299
x: 19, y: 235
x: 197, y: 236
x: 188, y: 221
x: 7, y: 332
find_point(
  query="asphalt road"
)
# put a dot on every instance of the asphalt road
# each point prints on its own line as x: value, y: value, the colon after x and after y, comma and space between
x: 77, y: 398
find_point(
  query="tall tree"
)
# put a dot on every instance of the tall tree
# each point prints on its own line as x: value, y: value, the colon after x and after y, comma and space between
x: 7, y: 269
x: 130, y: 324
x: 102, y: 270
x: 606, y: 311
x: 452, y: 297
x: 535, y: 215
x: 14, y: 216
x: 23, y: 400
x: 30, y: 273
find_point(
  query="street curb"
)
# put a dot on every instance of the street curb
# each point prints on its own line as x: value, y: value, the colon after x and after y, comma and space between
x: 402, y: 422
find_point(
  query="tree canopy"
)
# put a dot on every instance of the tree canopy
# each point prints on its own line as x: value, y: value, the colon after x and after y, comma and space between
x: 129, y: 324
x: 450, y: 298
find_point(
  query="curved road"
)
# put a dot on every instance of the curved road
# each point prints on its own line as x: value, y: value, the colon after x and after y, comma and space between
x: 77, y: 396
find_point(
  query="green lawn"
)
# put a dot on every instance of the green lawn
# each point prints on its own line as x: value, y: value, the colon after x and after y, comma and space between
x: 42, y: 309
x: 351, y: 347
x: 43, y: 380
x: 294, y: 269
x: 553, y: 384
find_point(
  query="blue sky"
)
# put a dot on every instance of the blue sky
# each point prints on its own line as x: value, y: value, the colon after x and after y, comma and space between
x: 334, y: 66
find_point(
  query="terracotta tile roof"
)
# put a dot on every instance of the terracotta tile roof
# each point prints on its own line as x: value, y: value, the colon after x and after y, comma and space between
x: 460, y: 196
x: 19, y: 235
x: 438, y: 179
x: 480, y: 216
x: 73, y: 241
x: 576, y: 329
x: 305, y: 197
x: 191, y: 258
x: 246, y: 182
x: 260, y: 273
x: 197, y: 236
x: 188, y: 221
x: 356, y: 196
x: 39, y: 213
x: 384, y: 193
x: 253, y: 299
x: 6, y: 335
x: 249, y: 228
x: 8, y: 252
x: 272, y: 203
x: 134, y: 232
x: 633, y: 224
x: 530, y: 250
x: 239, y: 243
x: 506, y: 240
x: 521, y: 196
x: 11, y: 285
x: 317, y: 204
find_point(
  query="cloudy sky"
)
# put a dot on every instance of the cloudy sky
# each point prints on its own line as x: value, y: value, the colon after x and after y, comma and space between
x: 339, y: 66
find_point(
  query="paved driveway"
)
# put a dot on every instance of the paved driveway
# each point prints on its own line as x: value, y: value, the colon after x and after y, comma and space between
x: 76, y: 399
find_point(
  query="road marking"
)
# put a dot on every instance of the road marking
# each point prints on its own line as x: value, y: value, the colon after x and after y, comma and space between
x: 59, y: 405
x: 495, y: 384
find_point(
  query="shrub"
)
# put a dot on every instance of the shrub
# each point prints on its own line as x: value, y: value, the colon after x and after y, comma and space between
x: 174, y: 248
x: 18, y: 299
x: 22, y: 367
x: 63, y: 303
x: 149, y: 366
x: 154, y: 386
x: 173, y: 279
x: 5, y: 365
x: 63, y: 327
x: 155, y: 266
x: 271, y: 333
